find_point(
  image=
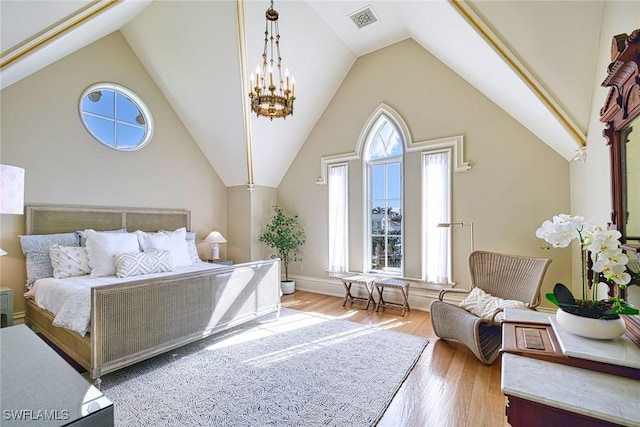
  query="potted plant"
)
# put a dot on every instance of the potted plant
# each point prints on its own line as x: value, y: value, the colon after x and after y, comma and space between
x: 286, y: 235
x: 602, y: 262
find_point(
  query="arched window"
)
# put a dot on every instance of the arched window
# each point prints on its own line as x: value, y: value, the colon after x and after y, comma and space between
x: 383, y: 159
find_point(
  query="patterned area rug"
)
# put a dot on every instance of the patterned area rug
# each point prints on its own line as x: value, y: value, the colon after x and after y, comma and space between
x: 301, y: 370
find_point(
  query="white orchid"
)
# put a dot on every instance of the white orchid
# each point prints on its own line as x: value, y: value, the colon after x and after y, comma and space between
x: 609, y: 262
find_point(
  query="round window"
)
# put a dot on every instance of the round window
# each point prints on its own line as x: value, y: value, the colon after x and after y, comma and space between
x: 116, y: 116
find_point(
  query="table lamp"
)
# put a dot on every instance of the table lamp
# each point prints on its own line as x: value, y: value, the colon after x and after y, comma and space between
x: 215, y: 238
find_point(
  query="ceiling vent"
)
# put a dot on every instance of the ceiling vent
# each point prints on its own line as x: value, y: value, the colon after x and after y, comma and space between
x: 364, y: 17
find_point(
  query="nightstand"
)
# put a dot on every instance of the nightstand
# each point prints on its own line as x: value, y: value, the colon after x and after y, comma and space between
x: 221, y: 261
x: 6, y: 306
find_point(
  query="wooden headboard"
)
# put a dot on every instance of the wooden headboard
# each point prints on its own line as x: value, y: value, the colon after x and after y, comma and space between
x: 50, y: 219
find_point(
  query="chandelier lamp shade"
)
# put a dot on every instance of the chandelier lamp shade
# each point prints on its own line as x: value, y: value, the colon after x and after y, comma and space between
x: 215, y: 238
x: 272, y: 94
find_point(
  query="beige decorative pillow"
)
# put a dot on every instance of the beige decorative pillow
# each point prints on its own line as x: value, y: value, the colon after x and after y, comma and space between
x: 483, y: 305
x: 68, y: 261
x: 136, y: 264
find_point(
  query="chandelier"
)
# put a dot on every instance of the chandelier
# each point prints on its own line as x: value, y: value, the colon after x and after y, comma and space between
x: 272, y: 96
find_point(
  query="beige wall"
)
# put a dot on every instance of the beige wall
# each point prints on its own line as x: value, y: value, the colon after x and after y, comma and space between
x: 248, y: 212
x: 515, y: 183
x: 42, y: 132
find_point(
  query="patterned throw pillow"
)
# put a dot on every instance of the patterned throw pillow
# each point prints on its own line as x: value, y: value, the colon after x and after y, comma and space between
x: 483, y: 305
x: 136, y: 264
x: 193, y: 250
x: 69, y: 261
x: 35, y: 248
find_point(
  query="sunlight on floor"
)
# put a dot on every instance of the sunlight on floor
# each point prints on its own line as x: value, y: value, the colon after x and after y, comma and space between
x: 286, y: 323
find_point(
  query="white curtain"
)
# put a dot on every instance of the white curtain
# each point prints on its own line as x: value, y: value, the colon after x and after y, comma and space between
x: 338, y: 219
x: 436, y: 174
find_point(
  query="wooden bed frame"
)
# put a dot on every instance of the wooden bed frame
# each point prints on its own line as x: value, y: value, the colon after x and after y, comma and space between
x: 137, y: 320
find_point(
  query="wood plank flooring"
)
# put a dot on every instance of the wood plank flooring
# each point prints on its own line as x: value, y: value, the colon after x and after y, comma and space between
x: 448, y: 387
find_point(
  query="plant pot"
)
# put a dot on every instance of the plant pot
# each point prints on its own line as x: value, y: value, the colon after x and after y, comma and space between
x: 288, y: 286
x: 590, y: 328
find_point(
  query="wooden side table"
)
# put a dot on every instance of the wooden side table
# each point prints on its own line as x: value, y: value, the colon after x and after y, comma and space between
x: 6, y: 306
x: 403, y: 285
x: 358, y: 280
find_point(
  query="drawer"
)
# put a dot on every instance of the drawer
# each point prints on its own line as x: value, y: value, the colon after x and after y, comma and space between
x: 4, y: 302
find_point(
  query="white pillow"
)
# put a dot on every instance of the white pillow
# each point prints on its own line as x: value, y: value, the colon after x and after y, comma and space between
x: 102, y: 246
x: 193, y: 249
x: 173, y: 241
x: 483, y: 305
x: 135, y: 264
x: 69, y: 261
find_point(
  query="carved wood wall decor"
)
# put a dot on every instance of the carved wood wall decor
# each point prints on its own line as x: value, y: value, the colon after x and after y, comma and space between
x: 619, y: 114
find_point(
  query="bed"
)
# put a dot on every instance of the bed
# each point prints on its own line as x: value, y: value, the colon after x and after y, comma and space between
x: 132, y: 320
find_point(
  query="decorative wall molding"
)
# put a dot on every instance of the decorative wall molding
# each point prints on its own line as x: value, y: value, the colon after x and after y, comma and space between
x: 454, y: 142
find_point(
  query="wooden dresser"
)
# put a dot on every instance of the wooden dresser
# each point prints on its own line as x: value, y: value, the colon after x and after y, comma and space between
x: 546, y: 393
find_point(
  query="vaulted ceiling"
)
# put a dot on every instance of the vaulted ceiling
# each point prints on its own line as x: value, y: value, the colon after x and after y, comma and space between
x: 523, y: 55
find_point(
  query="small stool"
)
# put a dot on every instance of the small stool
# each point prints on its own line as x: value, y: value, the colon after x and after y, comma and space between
x: 403, y: 285
x: 358, y: 280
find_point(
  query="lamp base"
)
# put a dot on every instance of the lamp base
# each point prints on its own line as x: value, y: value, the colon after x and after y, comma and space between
x: 215, y: 252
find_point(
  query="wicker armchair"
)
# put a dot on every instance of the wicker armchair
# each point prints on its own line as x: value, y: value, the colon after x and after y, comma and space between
x: 505, y: 276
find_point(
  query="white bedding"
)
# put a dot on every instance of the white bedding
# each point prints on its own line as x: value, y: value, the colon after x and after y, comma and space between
x: 69, y: 299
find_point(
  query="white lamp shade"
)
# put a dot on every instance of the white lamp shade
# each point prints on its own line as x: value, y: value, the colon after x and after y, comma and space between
x: 215, y: 237
x: 2, y: 252
x: 11, y: 190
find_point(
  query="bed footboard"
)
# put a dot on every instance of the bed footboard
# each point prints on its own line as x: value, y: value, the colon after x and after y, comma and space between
x: 132, y: 322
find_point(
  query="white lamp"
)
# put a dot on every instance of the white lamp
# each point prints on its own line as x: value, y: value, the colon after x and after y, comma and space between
x: 11, y: 190
x: 461, y: 224
x: 215, y: 238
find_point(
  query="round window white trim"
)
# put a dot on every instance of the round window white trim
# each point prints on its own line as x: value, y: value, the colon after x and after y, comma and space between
x: 131, y: 96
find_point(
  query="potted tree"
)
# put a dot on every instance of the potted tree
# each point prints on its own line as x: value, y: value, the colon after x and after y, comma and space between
x: 285, y: 234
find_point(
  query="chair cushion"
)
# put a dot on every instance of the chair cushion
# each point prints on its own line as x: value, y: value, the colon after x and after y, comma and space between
x: 482, y: 304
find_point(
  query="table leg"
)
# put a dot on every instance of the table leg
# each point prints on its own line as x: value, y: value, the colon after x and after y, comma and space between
x: 347, y: 296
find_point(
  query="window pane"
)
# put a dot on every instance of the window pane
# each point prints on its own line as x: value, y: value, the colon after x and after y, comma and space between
x: 377, y: 182
x: 99, y: 102
x: 377, y: 252
x: 129, y: 136
x: 394, y: 181
x: 394, y: 252
x: 127, y: 110
x: 386, y: 142
x: 102, y: 129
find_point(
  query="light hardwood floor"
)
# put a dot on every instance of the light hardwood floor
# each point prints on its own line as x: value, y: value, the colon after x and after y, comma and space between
x: 447, y: 387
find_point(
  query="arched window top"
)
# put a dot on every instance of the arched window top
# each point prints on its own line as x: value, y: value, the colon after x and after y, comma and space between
x: 384, y: 140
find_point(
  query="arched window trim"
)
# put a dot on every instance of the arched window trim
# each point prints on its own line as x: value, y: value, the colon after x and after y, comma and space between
x: 456, y: 142
x: 395, y: 118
